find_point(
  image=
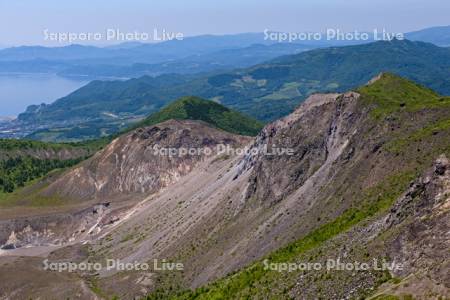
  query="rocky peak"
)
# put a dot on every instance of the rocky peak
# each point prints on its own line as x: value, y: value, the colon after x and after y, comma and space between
x: 316, y: 133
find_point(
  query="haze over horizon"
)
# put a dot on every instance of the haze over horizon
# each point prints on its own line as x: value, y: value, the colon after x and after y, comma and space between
x: 24, y: 22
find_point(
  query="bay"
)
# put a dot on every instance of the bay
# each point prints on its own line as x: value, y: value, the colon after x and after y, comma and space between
x: 18, y: 91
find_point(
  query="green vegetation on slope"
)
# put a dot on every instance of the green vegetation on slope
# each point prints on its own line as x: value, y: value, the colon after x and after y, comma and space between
x: 395, y: 98
x: 13, y: 144
x: 16, y: 172
x: 424, y: 133
x: 7, y: 145
x: 22, y: 161
x: 194, y: 108
x: 392, y: 94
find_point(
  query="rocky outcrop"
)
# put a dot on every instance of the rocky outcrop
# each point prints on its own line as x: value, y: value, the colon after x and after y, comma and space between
x: 422, y: 215
x: 430, y: 193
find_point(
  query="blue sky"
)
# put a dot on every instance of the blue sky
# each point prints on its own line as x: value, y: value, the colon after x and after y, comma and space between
x: 23, y: 21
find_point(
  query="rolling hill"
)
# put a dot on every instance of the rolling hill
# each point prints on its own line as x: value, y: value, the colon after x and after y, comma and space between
x: 194, y: 108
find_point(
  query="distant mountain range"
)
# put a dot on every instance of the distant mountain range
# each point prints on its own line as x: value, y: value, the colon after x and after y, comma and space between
x: 209, y: 62
x: 192, y: 55
x: 437, y: 35
x: 136, y: 52
x: 265, y: 91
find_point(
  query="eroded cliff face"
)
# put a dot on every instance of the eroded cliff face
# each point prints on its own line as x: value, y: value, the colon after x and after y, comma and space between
x: 317, y: 133
x: 140, y: 163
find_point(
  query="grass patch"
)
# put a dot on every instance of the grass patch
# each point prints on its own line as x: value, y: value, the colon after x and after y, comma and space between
x: 94, y: 286
x: 392, y: 94
x: 127, y: 238
x: 386, y: 297
x: 399, y: 145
